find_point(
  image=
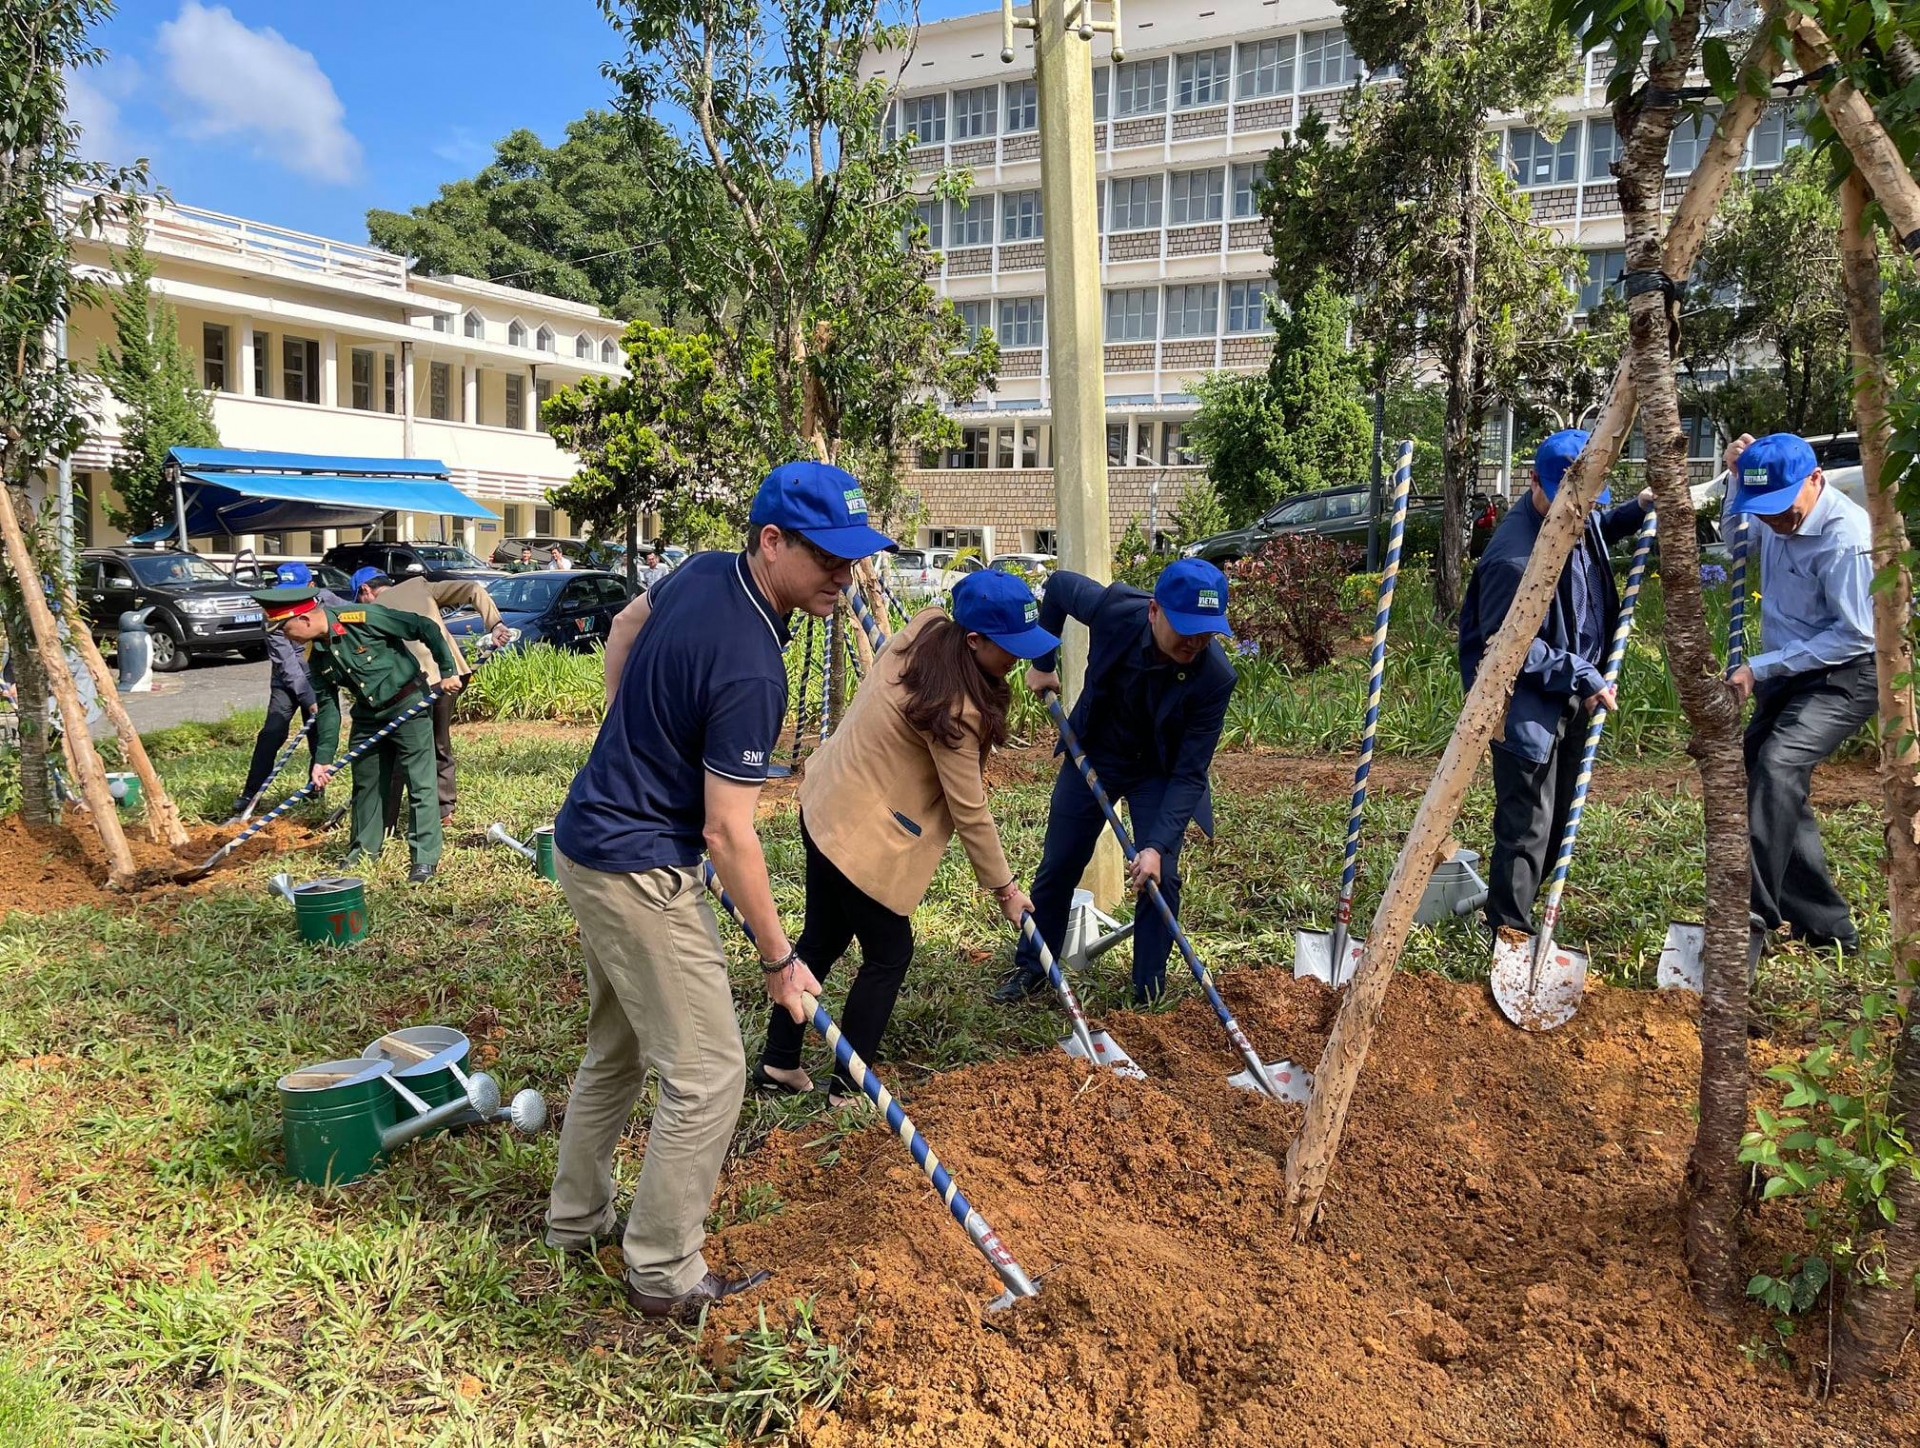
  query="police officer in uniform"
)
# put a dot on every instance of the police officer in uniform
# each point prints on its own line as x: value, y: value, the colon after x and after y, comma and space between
x: 362, y: 649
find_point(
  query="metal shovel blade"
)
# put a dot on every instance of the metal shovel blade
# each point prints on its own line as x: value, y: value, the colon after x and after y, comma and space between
x: 1106, y: 1052
x: 1295, y: 1082
x: 1536, y: 1001
x: 1313, y: 957
x: 1680, y: 967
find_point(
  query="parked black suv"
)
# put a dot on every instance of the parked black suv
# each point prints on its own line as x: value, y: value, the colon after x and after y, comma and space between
x: 434, y: 561
x: 197, y: 608
x: 1336, y: 513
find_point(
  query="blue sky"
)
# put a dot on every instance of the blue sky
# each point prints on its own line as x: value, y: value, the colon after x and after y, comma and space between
x: 307, y: 115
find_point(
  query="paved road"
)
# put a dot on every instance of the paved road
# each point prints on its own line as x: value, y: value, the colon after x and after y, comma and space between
x: 205, y: 693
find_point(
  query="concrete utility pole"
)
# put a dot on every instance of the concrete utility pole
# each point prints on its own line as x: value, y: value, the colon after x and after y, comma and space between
x: 1063, y: 68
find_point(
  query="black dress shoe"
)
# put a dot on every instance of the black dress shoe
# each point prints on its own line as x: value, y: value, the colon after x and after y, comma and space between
x: 771, y: 1085
x: 419, y: 874
x: 1021, y: 984
x: 590, y: 1245
x: 688, y: 1306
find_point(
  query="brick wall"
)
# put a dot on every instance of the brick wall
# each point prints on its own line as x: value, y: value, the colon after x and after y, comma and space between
x: 1600, y: 200
x: 1325, y: 105
x: 1554, y: 205
x: 1194, y: 240
x: 1187, y: 352
x: 974, y: 153
x: 928, y: 158
x: 1013, y: 500
x: 1248, y: 236
x: 1023, y: 147
x: 1022, y: 363
x: 1246, y: 351
x: 1264, y: 115
x: 970, y: 261
x: 1100, y: 136
x: 1022, y: 256
x: 1187, y: 124
x: 1129, y: 357
x: 1133, y: 246
x: 1140, y: 131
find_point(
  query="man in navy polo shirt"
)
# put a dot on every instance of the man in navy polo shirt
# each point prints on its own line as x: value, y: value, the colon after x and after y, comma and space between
x: 1149, y: 717
x: 696, y: 691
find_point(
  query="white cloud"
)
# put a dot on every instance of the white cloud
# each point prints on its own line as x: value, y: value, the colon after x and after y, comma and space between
x: 93, y: 104
x: 463, y: 148
x: 258, y: 87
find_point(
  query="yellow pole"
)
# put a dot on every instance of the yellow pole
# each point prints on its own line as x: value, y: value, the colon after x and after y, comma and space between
x: 1063, y: 67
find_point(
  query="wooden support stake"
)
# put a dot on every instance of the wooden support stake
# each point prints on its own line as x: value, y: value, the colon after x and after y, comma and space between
x: 163, y: 819
x: 1866, y: 140
x: 73, y: 718
x: 1310, y: 1158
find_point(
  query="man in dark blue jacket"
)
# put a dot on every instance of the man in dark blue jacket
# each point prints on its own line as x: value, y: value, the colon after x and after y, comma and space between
x: 1149, y: 717
x: 1537, y: 759
x: 291, y: 691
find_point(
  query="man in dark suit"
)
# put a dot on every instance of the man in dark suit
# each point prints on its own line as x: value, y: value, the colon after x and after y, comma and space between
x: 1149, y: 717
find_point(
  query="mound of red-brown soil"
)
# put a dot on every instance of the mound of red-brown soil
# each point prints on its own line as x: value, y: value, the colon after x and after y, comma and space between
x: 1498, y: 1261
x: 55, y: 868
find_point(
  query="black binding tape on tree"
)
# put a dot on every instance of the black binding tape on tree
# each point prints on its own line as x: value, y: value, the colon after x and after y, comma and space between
x: 1636, y: 283
x: 1813, y: 77
x: 1911, y: 240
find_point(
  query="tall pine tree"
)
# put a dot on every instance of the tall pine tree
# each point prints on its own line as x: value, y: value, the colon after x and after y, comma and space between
x: 151, y: 376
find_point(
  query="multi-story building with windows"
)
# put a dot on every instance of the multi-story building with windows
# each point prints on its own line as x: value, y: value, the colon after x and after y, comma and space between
x: 310, y: 345
x: 1182, y: 129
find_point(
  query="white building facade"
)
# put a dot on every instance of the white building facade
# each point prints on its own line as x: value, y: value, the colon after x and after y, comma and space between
x: 1182, y: 130
x: 310, y: 345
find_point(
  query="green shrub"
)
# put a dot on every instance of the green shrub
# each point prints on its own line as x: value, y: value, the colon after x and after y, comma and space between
x: 538, y: 682
x: 1288, y: 599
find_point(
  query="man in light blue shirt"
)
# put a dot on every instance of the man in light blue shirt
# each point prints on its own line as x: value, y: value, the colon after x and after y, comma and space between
x: 1813, y: 680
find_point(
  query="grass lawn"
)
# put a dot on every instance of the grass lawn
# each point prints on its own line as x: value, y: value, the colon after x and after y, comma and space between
x: 166, y: 1284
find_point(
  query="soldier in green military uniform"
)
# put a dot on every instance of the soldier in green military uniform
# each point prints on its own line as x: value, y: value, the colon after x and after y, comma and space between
x: 362, y: 649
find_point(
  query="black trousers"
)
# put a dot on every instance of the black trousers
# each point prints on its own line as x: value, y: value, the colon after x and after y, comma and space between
x: 447, y: 788
x: 1797, y: 722
x: 838, y: 913
x: 282, y: 709
x: 1531, y: 803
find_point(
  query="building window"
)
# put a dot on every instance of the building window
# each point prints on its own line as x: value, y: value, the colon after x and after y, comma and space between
x: 925, y: 118
x: 442, y: 322
x: 957, y: 538
x: 360, y: 383
x: 1174, y: 452
x: 1046, y: 540
x: 1003, y: 447
x: 1688, y: 143
x: 975, y: 318
x: 516, y: 333
x: 1030, y: 458
x: 1021, y: 321
x: 1604, y: 269
x: 542, y: 390
x: 300, y: 369
x: 1246, y: 203
x: 516, y: 401
x: 1020, y: 216
x: 543, y: 340
x: 387, y: 368
x: 542, y: 521
x: 974, y: 449
x: 1493, y: 439
x: 1533, y: 160
x: 475, y: 327
x: 1201, y: 79
x: 1325, y: 59
x: 262, y: 364
x: 1133, y: 203
x: 1779, y: 130
x: 1266, y: 68
x: 1116, y: 444
x: 1140, y: 87
x: 973, y: 112
x: 1193, y: 311
x: 609, y: 351
x: 1603, y: 149
x: 1247, y: 306
x: 213, y: 358
x: 1196, y: 196
x: 83, y: 510
x: 1133, y: 315
x: 583, y: 346
x: 932, y: 215
x: 1102, y: 85
x: 439, y: 391
x: 972, y: 221
x: 1023, y: 106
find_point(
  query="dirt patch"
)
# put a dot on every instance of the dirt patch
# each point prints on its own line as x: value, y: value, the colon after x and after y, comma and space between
x: 48, y: 869
x: 1499, y: 1261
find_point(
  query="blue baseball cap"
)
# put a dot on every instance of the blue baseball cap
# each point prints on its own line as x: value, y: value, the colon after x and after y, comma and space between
x: 294, y: 575
x: 1002, y: 607
x: 1193, y: 595
x: 1768, y: 476
x: 823, y: 504
x: 1556, y: 455
x: 363, y: 576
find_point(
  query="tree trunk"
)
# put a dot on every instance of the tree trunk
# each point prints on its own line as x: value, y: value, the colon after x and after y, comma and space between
x: 1310, y: 1158
x: 1872, y: 150
x: 1462, y: 444
x: 30, y: 710
x: 46, y: 635
x: 633, y: 548
x: 1873, y: 1320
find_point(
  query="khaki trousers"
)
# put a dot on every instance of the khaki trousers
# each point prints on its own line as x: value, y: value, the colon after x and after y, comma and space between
x: 658, y: 999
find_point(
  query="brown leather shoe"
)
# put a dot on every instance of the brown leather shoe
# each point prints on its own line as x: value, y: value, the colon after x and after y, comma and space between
x: 688, y: 1306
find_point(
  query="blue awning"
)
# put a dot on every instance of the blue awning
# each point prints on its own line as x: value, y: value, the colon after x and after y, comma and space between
x: 234, y: 490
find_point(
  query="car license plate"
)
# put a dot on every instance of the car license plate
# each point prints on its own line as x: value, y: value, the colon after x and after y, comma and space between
x: 251, y: 615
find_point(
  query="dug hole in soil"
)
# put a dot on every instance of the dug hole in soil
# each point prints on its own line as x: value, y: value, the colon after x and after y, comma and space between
x: 1498, y: 1261
x: 57, y: 867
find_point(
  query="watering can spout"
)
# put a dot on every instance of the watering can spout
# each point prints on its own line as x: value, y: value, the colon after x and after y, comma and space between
x: 482, y: 1100
x: 497, y: 832
x: 282, y: 885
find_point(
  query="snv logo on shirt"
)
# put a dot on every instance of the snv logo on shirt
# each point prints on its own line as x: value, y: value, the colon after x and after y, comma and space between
x: 753, y: 756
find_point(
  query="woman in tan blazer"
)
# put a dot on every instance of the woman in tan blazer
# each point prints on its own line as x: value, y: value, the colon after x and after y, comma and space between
x: 903, y: 774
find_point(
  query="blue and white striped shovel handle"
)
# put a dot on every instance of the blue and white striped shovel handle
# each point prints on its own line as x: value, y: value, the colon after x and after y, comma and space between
x: 1228, y: 1023
x: 1557, y: 884
x: 1011, y: 1275
x: 876, y: 635
x: 1082, y: 1032
x: 412, y: 711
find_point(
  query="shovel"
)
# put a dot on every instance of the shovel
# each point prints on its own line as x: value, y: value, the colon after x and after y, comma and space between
x: 253, y: 800
x: 1278, y: 1080
x: 1082, y: 1042
x: 1681, y: 953
x: 1011, y: 1275
x: 1536, y: 982
x: 1334, y: 955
